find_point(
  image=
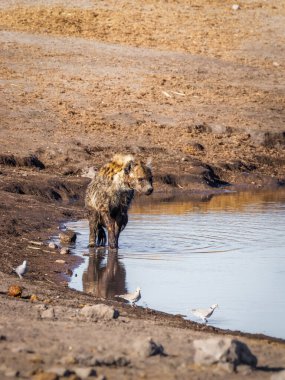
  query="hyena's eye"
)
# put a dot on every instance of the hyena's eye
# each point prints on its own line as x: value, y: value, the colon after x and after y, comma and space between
x: 140, y: 179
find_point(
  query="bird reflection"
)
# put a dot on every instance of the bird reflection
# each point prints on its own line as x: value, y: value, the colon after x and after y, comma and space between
x: 105, y: 276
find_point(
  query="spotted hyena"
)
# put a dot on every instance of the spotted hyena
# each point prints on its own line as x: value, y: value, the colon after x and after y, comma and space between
x: 109, y: 196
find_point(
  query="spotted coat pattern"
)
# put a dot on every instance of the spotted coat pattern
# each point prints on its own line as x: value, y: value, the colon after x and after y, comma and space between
x: 109, y: 196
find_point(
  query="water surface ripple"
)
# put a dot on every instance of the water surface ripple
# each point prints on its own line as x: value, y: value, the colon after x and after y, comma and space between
x: 226, y: 249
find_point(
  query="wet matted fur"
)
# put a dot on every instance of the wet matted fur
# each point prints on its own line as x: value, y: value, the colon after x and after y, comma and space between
x: 109, y: 196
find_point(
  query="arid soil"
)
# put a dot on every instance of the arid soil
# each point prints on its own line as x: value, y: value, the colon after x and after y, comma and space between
x: 197, y: 86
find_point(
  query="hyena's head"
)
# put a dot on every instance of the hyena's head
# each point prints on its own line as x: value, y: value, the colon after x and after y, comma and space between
x: 128, y: 173
x: 139, y: 176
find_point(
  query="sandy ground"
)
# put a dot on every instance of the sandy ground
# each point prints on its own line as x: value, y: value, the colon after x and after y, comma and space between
x: 197, y: 86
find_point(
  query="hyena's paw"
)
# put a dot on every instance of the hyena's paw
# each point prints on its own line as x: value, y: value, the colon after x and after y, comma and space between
x: 91, y: 244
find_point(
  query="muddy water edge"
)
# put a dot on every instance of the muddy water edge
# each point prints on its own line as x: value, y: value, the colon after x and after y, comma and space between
x: 186, y: 252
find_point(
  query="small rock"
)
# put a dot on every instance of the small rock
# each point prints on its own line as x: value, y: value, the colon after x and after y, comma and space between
x: 244, y: 370
x: 12, y: 373
x: 84, y: 372
x: 15, y: 291
x: 147, y: 347
x: 278, y: 376
x: 225, y: 367
x: 276, y: 64
x: 52, y: 245
x: 67, y: 237
x: 45, y: 376
x: 60, y: 261
x: 61, y: 371
x: 34, y: 298
x: 236, y: 7
x: 65, y: 251
x: 48, y: 313
x: 101, y: 377
x: 89, y: 172
x: 36, y: 359
x: 3, y: 337
x: 223, y: 350
x: 47, y: 301
x: 24, y: 349
x: 99, y: 311
x: 74, y: 377
x: 68, y: 360
x: 220, y: 129
x: 194, y: 148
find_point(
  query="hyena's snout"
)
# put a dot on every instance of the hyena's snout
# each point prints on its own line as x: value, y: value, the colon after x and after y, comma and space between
x: 145, y: 187
x: 149, y: 190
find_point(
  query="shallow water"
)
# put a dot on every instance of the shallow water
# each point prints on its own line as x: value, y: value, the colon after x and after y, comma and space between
x: 226, y: 249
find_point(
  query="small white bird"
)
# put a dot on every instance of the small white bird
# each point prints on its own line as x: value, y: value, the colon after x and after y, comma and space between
x: 204, y: 313
x: 21, y: 269
x: 132, y: 298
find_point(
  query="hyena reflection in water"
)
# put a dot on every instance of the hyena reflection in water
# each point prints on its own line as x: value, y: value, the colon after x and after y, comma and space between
x: 109, y: 196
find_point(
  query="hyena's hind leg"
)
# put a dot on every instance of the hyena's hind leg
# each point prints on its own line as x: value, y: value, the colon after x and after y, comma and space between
x: 93, y: 218
x: 102, y: 239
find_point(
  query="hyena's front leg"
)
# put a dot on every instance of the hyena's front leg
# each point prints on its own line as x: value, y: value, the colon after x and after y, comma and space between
x: 121, y: 222
x: 110, y: 224
x: 93, y: 228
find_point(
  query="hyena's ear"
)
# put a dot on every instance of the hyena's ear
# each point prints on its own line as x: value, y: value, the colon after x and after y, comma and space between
x: 128, y: 167
x: 149, y: 162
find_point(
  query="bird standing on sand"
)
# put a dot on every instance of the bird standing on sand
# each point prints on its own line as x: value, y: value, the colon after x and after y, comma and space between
x: 204, y: 313
x: 132, y: 298
x: 21, y: 269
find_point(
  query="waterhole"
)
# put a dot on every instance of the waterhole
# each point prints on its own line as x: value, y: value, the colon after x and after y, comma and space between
x: 187, y: 253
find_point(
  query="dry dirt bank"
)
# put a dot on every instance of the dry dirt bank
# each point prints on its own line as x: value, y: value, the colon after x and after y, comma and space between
x: 79, y: 84
x: 30, y: 344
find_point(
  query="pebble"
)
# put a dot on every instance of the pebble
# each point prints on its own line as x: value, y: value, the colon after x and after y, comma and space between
x: 15, y: 291
x: 61, y: 371
x: 101, y: 377
x: 52, y: 245
x: 60, y: 261
x: 67, y: 236
x: 84, y: 372
x: 145, y: 348
x: 45, y: 376
x: 235, y: 7
x: 89, y: 172
x: 65, y: 251
x: 48, y: 313
x: 12, y: 373
x: 68, y: 360
x: 244, y: 370
x: 99, y: 311
x: 223, y: 350
x: 24, y: 349
x: 36, y: 359
x: 34, y: 298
